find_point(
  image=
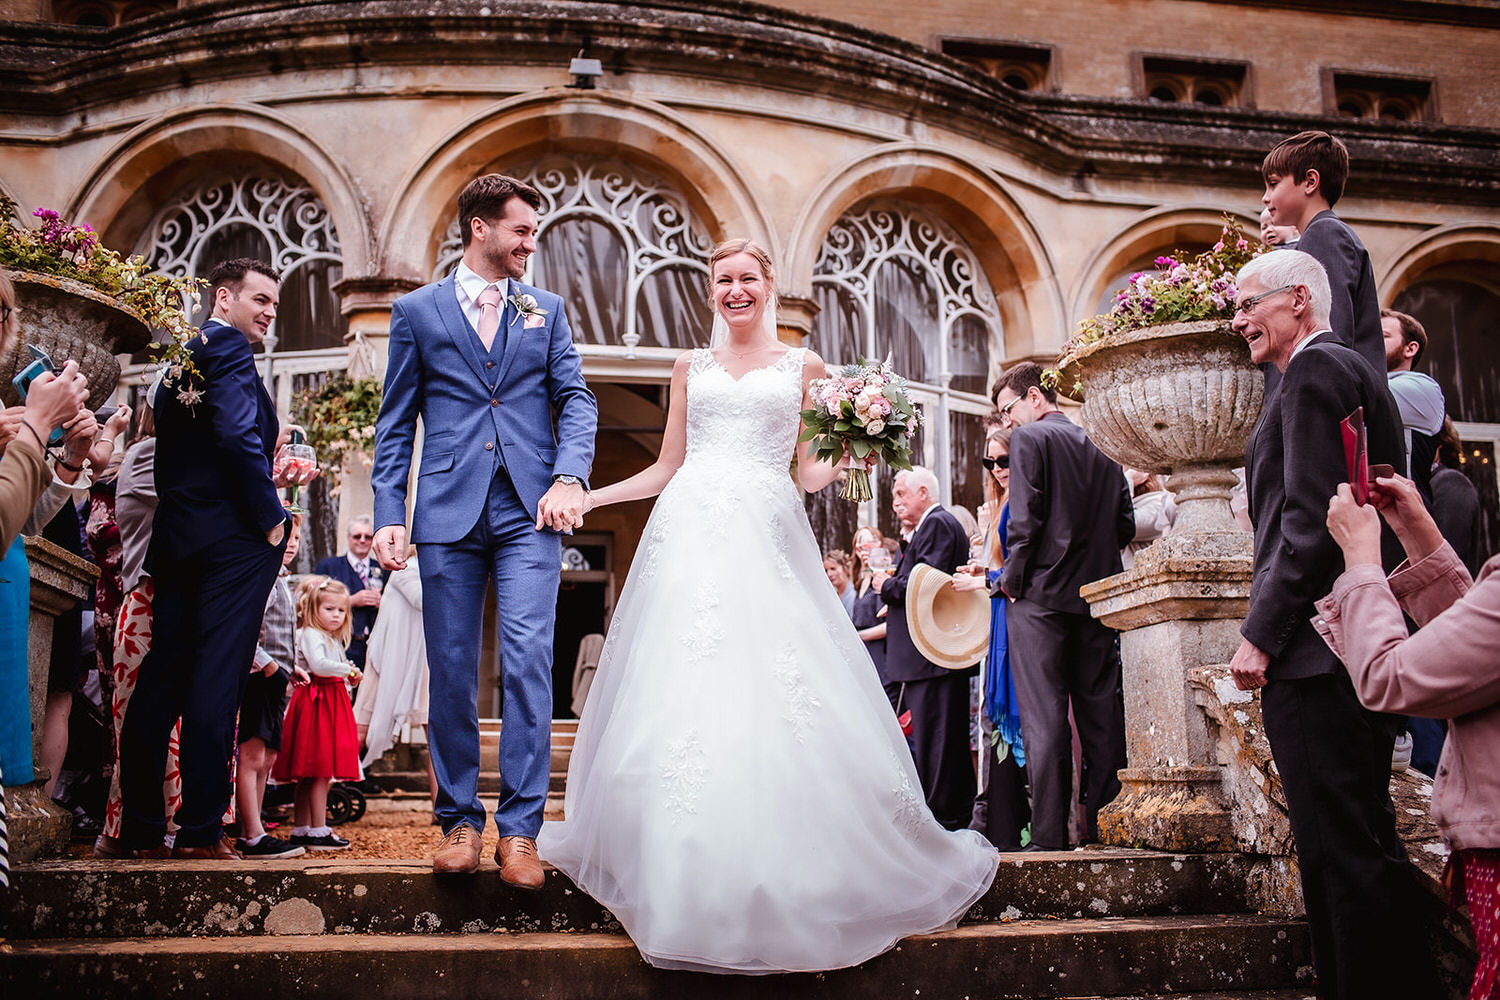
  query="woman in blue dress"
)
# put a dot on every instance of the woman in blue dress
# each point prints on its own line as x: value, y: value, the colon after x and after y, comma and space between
x: 1005, y: 803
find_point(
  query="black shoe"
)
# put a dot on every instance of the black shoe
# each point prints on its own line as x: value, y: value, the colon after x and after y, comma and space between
x: 327, y: 842
x: 269, y: 847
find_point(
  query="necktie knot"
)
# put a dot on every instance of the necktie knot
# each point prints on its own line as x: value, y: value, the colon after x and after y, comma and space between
x: 489, y: 315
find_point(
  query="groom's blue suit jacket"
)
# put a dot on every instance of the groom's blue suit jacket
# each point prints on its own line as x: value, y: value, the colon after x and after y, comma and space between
x: 478, y: 413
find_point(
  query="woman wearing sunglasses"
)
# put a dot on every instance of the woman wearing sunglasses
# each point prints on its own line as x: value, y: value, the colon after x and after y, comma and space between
x: 1003, y: 811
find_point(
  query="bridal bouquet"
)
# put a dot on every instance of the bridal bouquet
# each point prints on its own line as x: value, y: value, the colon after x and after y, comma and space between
x: 863, y: 410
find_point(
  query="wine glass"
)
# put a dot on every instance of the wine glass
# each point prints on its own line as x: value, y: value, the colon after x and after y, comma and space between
x: 297, y: 460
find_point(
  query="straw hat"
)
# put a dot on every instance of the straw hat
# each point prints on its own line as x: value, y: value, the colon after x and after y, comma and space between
x: 950, y: 628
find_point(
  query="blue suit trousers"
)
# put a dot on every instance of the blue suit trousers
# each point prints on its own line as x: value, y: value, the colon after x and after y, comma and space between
x: 526, y: 566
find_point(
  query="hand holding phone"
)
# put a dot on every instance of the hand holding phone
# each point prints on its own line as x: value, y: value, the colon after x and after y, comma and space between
x: 41, y: 364
x: 54, y: 400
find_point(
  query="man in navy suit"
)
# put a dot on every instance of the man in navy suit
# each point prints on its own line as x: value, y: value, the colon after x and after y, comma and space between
x: 938, y: 697
x: 488, y: 363
x: 215, y: 550
x: 1333, y: 755
x: 359, y: 572
x: 1070, y: 514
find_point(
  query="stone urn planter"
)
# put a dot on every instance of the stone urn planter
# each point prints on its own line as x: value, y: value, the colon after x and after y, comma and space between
x: 71, y: 321
x: 1180, y: 400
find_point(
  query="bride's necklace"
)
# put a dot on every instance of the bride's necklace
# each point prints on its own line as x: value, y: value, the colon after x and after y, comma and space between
x: 746, y: 354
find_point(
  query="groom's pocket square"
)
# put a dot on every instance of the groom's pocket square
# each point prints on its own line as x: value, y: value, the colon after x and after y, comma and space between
x: 534, y: 321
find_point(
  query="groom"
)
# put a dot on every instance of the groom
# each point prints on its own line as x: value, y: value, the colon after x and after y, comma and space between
x: 488, y: 364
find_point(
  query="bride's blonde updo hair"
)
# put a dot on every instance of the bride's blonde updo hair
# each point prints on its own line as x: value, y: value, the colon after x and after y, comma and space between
x: 731, y: 247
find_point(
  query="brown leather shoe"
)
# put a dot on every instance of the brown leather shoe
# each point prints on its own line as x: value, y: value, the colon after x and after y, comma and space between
x: 222, y: 851
x: 161, y: 852
x: 519, y: 864
x: 458, y: 854
x: 107, y: 848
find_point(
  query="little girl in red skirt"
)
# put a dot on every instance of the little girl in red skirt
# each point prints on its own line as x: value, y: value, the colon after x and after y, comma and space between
x: 319, y: 741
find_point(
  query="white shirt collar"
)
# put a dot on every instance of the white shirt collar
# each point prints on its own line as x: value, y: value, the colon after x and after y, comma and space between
x: 1298, y: 349
x: 930, y: 508
x: 355, y: 562
x: 469, y: 285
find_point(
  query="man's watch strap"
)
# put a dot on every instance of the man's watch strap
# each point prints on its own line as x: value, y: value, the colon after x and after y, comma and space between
x: 568, y: 480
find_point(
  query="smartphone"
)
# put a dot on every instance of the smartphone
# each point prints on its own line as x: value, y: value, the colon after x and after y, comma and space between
x: 40, y: 363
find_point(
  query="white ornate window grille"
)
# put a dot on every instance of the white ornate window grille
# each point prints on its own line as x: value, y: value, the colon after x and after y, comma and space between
x: 280, y: 220
x: 604, y: 226
x: 891, y: 279
x: 891, y: 269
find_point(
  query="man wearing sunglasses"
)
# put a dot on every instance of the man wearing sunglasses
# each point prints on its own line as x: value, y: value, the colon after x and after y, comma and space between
x: 356, y: 570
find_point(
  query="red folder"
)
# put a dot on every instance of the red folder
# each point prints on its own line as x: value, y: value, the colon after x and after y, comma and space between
x: 1357, y: 457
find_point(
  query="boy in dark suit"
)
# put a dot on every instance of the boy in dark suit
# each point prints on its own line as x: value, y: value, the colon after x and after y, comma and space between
x: 1305, y: 178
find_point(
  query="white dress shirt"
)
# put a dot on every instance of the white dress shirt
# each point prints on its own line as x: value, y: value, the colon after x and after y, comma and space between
x: 467, y: 286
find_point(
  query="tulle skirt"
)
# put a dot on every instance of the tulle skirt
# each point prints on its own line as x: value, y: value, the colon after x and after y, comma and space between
x: 319, y: 738
x: 740, y: 795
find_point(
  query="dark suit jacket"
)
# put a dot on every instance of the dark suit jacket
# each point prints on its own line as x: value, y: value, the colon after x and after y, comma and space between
x: 939, y: 542
x: 1293, y: 464
x: 213, y: 460
x: 363, y: 619
x: 1355, y: 319
x: 1070, y: 514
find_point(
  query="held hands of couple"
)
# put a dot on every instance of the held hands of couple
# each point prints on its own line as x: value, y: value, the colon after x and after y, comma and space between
x: 562, y: 507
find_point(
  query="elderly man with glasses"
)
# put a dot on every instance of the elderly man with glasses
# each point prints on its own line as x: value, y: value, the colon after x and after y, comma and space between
x: 1333, y: 756
x: 356, y: 570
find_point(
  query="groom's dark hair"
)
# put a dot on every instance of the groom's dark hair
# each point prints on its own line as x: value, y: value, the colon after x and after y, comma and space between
x: 485, y: 197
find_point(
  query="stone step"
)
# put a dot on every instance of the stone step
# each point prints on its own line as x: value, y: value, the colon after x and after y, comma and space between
x: 1022, y: 959
x: 317, y: 894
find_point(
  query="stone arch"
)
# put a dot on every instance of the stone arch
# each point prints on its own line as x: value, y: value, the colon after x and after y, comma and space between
x: 151, y: 163
x: 595, y: 124
x: 1163, y: 229
x: 1464, y: 244
x: 997, y: 229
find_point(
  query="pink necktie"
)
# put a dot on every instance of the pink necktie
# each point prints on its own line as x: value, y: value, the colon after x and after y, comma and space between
x: 489, y: 315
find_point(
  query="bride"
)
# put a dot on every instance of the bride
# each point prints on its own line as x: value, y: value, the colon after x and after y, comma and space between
x: 740, y: 795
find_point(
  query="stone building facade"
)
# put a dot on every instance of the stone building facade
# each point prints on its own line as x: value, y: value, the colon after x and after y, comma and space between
x: 957, y: 186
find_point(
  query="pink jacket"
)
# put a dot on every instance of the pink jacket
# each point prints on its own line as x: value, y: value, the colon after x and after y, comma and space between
x: 1449, y: 670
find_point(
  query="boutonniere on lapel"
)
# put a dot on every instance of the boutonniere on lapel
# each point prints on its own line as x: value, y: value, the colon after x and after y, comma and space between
x: 532, y: 314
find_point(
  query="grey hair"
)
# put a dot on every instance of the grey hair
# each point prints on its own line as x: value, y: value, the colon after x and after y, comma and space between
x: 1293, y: 267
x: 362, y: 519
x: 920, y: 478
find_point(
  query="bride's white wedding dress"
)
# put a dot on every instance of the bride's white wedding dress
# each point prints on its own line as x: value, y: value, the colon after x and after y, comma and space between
x: 740, y: 795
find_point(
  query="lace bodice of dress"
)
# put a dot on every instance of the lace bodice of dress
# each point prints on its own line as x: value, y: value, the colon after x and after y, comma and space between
x: 750, y: 423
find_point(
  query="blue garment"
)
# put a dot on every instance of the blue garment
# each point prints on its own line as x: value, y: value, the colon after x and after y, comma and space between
x: 15, y: 691
x: 1000, y: 702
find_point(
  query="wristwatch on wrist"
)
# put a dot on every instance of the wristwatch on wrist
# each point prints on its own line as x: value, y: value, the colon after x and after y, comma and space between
x: 568, y: 480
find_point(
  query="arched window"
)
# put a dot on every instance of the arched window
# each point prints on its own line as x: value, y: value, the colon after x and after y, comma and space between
x: 893, y: 279
x: 621, y: 246
x: 280, y: 219
x: 271, y: 218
